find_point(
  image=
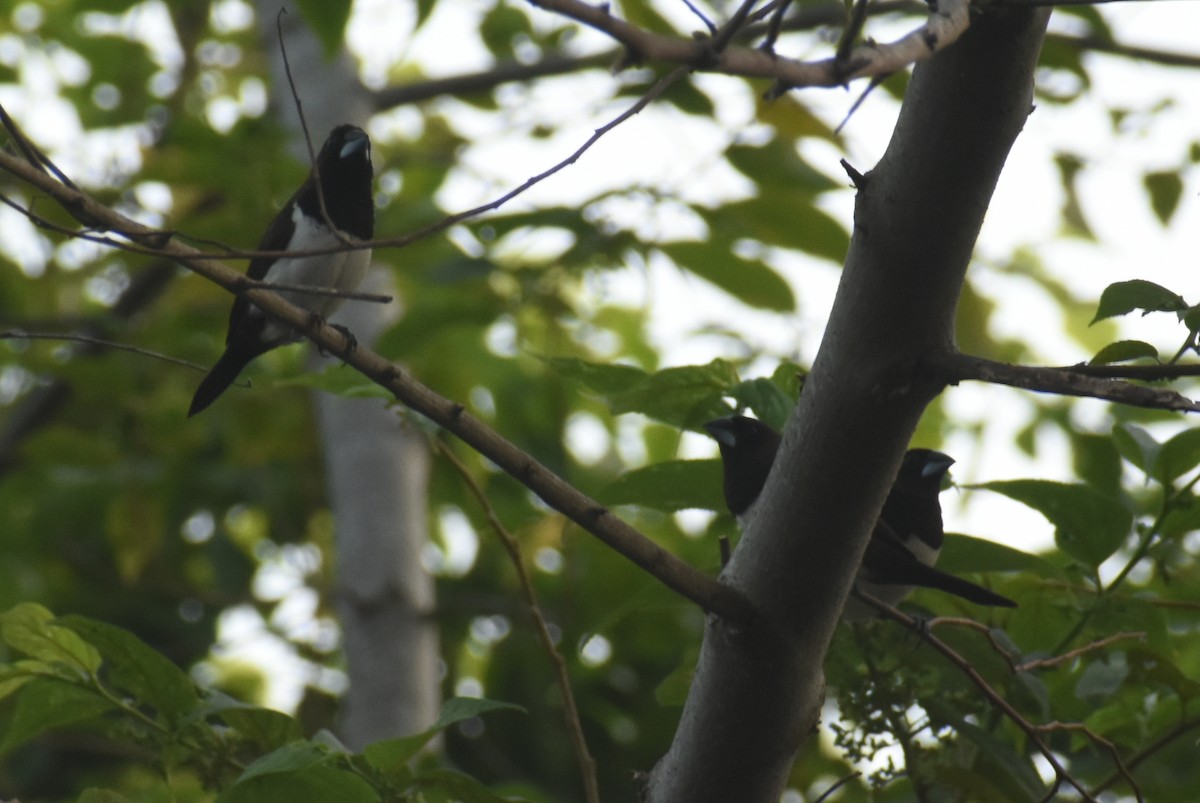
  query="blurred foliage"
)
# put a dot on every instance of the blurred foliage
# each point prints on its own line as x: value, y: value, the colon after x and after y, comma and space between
x: 115, y: 508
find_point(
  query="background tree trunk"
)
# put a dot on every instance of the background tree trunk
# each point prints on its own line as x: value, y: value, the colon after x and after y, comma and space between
x: 377, y: 466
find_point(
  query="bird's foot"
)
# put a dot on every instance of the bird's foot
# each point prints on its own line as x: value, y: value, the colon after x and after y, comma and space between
x: 351, y: 341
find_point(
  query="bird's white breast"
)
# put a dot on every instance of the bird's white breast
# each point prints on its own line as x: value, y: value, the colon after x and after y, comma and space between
x: 339, y: 271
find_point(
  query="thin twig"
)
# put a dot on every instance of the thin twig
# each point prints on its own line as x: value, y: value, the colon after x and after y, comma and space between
x: 712, y: 29
x: 1098, y: 644
x: 1146, y: 752
x: 18, y: 334
x: 838, y: 785
x: 310, y: 290
x: 312, y: 157
x: 1105, y: 743
x: 996, y: 699
x: 774, y: 26
x: 587, y: 765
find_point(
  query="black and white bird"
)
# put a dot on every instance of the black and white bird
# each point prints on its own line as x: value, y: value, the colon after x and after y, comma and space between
x: 344, y: 166
x: 907, y: 537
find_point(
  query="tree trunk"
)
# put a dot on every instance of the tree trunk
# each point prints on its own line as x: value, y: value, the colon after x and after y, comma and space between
x: 756, y: 696
x: 377, y: 466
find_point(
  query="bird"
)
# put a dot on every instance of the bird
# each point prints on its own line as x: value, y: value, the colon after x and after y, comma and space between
x: 907, y: 536
x: 344, y: 168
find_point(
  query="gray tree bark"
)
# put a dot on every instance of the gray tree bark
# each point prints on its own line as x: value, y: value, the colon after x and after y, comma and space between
x: 377, y: 466
x: 756, y: 696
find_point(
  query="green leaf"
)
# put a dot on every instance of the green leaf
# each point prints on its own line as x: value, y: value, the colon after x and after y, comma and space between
x: 685, y: 396
x: 602, y: 377
x: 267, y: 729
x: 1088, y: 525
x: 791, y: 119
x: 768, y: 401
x: 1122, y: 298
x: 671, y: 485
x: 297, y: 755
x: 392, y: 755
x: 15, y: 675
x: 1123, y: 351
x: 311, y: 783
x: 139, y: 670
x: 774, y: 218
x: 500, y: 27
x: 101, y: 796
x: 340, y: 380
x: 1178, y: 456
x: 1014, y: 778
x: 327, y: 18
x: 1074, y: 222
x: 458, y: 709
x: 778, y: 162
x: 964, y: 554
x: 30, y: 628
x: 1102, y: 678
x: 749, y: 281
x: 457, y: 787
x: 1191, y: 318
x: 1137, y: 446
x: 686, y: 97
x: 1165, y: 189
x: 44, y: 704
x: 424, y: 7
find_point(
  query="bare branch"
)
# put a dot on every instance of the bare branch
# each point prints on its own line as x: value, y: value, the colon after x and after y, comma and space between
x: 942, y: 28
x: 1098, y: 644
x: 954, y: 367
x: 805, y: 17
x: 1143, y: 373
x: 17, y: 334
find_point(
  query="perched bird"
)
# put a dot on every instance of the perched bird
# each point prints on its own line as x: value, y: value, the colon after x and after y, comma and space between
x: 907, y: 536
x: 344, y: 166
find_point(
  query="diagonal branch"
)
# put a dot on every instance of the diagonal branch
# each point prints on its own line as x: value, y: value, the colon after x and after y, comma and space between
x: 669, y: 569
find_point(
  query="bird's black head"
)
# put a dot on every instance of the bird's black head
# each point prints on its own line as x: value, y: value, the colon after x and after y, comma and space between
x: 748, y: 449
x: 346, y: 143
x: 924, y: 468
x: 345, y: 167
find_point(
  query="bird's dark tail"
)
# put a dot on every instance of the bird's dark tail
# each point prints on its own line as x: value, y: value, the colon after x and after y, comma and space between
x: 930, y: 577
x: 220, y: 377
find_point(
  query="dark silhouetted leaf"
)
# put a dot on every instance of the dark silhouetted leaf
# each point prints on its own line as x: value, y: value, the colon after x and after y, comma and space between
x: 749, y: 281
x: 1122, y: 298
x: 1124, y: 350
x: 1165, y: 190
